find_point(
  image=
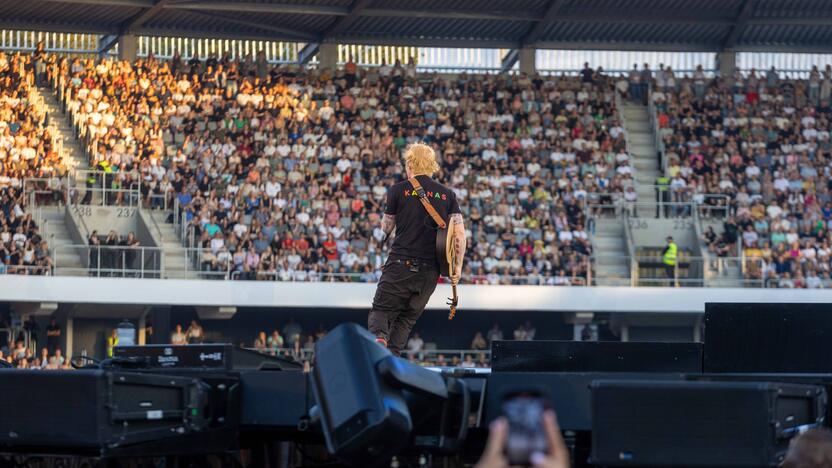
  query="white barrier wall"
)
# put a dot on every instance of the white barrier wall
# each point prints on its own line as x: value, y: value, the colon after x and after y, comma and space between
x: 348, y: 295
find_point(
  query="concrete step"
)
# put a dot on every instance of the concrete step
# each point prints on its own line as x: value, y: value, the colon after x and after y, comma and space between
x: 611, y: 281
x: 607, y: 230
x: 622, y: 271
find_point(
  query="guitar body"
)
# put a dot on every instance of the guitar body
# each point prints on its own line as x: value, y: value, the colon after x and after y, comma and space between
x: 444, y: 251
x: 445, y: 257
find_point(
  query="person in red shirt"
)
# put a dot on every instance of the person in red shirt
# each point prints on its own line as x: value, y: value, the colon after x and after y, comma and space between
x: 302, y: 245
x: 330, y: 248
x: 357, y: 205
x: 289, y: 242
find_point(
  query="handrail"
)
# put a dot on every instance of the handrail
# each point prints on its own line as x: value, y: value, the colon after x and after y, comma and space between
x: 466, y: 279
x: 622, y: 121
x: 423, y: 355
x: 153, y: 220
x: 631, y: 251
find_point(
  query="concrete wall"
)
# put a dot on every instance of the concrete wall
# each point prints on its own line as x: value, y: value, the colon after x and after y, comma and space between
x: 131, y: 291
x: 106, y: 218
x: 650, y: 232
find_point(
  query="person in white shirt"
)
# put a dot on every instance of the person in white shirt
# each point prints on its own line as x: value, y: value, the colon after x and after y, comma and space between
x: 415, y: 344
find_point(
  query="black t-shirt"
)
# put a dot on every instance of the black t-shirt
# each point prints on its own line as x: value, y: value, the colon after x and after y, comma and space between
x: 415, y: 229
x: 53, y: 340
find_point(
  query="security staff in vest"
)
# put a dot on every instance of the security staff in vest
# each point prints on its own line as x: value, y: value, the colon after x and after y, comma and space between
x: 662, y: 195
x: 410, y: 274
x: 669, y: 260
x: 112, y: 342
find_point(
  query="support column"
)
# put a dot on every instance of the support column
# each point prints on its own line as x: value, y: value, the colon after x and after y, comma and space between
x: 528, y: 57
x: 697, y: 330
x: 625, y: 333
x: 68, y: 332
x: 128, y: 47
x: 726, y: 62
x: 140, y: 336
x: 328, y: 56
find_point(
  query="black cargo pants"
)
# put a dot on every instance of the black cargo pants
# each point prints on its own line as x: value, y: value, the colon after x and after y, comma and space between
x: 401, y: 295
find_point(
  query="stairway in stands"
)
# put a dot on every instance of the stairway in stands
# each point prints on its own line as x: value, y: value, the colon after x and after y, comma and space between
x: 73, y: 152
x: 642, y: 149
x: 68, y: 260
x: 174, y: 259
x: 609, y: 247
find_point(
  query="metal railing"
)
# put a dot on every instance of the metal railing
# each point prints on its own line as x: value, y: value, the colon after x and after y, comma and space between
x: 34, y: 270
x: 643, y: 270
x: 653, y: 118
x: 101, y: 188
x: 657, y: 209
x: 137, y: 262
x: 689, y: 271
x: 109, y: 261
x: 317, y: 276
x: 423, y: 356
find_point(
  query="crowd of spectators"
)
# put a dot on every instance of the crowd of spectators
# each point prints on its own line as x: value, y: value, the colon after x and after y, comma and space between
x: 762, y: 141
x: 16, y: 350
x: 282, y: 172
x: 292, y: 341
x: 26, y: 152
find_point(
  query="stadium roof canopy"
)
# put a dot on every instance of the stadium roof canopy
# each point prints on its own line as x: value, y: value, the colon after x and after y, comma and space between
x: 678, y: 25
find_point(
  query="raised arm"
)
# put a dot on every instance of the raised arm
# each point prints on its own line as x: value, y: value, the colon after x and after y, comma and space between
x: 459, y: 245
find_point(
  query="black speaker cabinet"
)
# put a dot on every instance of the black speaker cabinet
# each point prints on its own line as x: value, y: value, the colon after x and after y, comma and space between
x: 595, y: 356
x: 106, y: 413
x: 655, y: 423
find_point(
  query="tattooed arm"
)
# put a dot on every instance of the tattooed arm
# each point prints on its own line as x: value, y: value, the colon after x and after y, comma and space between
x: 459, y: 244
x: 388, y: 224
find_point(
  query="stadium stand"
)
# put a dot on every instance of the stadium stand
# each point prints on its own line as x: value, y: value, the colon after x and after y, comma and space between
x: 230, y: 141
x: 762, y: 140
x: 28, y: 154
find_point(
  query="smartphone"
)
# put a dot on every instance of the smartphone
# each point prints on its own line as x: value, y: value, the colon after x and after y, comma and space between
x: 524, y: 412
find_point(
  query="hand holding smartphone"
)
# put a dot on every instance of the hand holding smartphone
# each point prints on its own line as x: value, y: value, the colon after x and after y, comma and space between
x: 509, y: 443
x: 526, y: 436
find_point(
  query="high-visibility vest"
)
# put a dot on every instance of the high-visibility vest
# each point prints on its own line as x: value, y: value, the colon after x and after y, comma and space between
x: 669, y: 257
x: 112, y: 342
x: 662, y: 183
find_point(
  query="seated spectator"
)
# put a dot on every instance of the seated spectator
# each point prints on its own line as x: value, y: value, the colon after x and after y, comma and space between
x: 178, y: 337
x: 415, y: 344
x: 195, y: 334
x: 274, y: 342
x: 479, y: 343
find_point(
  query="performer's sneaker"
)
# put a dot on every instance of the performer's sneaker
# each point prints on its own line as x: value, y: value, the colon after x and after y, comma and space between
x: 381, y: 341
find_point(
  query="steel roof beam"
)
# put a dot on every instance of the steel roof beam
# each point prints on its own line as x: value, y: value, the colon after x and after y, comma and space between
x: 739, y: 25
x: 294, y: 34
x: 119, y: 3
x: 140, y: 19
x: 250, y: 7
x: 509, y: 60
x: 308, y: 51
x: 536, y: 30
x: 344, y: 22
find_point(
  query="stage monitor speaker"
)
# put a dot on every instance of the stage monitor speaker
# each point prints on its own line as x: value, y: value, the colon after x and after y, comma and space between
x: 768, y: 338
x: 595, y: 356
x: 364, y: 397
x: 654, y: 423
x: 568, y: 393
x: 221, y: 356
x: 364, y: 419
x: 105, y: 413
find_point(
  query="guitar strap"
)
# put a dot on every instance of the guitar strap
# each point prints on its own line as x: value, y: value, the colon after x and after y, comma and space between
x: 423, y: 197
